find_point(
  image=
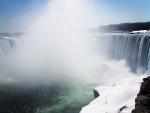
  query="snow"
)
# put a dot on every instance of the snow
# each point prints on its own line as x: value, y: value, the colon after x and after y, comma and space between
x: 140, y: 31
x: 114, y: 97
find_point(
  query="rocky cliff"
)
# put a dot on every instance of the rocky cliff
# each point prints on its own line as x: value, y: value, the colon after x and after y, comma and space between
x: 142, y: 102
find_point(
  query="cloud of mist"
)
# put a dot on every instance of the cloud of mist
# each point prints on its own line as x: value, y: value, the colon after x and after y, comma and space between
x: 58, y: 47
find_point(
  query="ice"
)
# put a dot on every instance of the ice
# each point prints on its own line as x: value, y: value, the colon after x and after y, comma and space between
x: 116, y: 98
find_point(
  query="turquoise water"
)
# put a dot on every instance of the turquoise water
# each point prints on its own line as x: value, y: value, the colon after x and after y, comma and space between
x: 69, y: 100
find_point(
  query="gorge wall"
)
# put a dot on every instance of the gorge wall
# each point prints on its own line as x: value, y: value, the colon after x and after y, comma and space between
x: 142, y: 102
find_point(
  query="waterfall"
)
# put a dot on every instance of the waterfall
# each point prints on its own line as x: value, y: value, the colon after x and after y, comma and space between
x: 134, y: 48
x: 7, y: 44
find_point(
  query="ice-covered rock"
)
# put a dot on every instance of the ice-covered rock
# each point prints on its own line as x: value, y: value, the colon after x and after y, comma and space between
x: 140, y: 31
x: 118, y: 97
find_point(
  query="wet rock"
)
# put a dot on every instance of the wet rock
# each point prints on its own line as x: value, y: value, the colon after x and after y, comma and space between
x: 142, y: 102
x: 122, y: 108
x: 96, y: 94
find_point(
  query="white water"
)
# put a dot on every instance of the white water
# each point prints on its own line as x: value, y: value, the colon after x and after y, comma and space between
x: 121, y: 94
x: 59, y: 44
x: 59, y: 48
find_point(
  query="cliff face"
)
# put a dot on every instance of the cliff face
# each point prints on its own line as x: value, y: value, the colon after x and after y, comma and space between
x: 142, y: 102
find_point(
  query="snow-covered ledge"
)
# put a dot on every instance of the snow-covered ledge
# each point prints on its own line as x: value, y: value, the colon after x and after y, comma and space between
x: 140, y: 31
x: 116, y: 98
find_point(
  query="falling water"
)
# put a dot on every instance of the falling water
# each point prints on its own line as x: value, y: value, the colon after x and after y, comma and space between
x: 134, y: 48
x: 54, y: 67
x: 52, y: 64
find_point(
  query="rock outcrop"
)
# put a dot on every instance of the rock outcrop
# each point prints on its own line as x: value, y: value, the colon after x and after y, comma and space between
x: 96, y: 93
x: 142, y: 102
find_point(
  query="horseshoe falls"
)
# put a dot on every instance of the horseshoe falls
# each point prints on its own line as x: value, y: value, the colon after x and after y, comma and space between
x: 133, y: 48
x: 54, y: 58
x: 126, y: 57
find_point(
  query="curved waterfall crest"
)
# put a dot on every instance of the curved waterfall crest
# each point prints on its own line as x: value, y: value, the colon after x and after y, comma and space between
x: 134, y: 48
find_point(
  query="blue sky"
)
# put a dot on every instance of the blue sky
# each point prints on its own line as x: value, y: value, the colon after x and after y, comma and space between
x: 123, y: 10
x: 14, y: 7
x: 13, y: 11
x: 117, y: 11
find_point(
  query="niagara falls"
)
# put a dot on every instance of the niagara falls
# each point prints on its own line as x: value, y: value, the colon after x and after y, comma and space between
x: 74, y: 56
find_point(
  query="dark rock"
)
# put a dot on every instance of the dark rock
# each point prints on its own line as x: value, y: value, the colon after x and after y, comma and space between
x: 96, y: 94
x: 146, y: 79
x: 142, y: 102
x: 122, y: 108
x: 141, y: 110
